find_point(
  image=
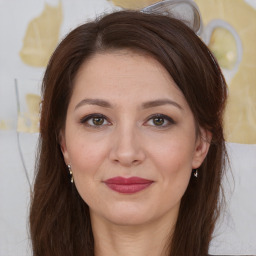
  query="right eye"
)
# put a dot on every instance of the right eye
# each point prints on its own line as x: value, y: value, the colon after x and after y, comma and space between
x: 95, y: 120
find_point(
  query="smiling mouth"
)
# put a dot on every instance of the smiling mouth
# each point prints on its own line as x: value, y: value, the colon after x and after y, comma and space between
x: 128, y: 185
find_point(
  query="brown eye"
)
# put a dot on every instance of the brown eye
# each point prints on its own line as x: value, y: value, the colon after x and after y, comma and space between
x: 158, y: 121
x: 98, y: 120
x: 95, y: 120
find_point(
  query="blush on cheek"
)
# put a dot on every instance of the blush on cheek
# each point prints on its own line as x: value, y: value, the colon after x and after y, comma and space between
x: 81, y: 150
x: 86, y: 159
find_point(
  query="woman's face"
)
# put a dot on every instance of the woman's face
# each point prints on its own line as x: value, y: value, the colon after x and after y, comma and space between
x: 130, y: 139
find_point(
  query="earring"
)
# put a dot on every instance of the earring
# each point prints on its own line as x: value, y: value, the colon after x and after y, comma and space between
x: 71, y: 173
x: 195, y: 173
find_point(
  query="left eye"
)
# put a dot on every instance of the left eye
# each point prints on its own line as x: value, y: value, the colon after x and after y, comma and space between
x: 96, y: 120
x: 160, y: 120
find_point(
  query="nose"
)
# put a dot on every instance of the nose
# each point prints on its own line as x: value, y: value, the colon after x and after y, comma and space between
x: 126, y: 147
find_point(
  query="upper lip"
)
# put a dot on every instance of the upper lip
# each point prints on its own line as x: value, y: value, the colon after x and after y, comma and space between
x: 127, y: 181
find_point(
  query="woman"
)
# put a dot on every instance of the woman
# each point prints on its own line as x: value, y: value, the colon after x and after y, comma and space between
x: 131, y: 150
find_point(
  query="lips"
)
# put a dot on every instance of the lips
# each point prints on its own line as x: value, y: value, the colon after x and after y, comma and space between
x: 128, y: 185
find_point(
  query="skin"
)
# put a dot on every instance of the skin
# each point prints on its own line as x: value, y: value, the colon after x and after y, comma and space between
x: 128, y: 141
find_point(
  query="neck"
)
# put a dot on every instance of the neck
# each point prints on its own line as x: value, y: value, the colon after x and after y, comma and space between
x: 141, y: 240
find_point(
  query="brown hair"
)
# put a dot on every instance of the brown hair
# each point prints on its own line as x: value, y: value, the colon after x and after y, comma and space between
x: 59, y: 218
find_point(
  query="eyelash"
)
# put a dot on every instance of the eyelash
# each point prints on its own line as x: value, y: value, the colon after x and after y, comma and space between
x: 87, y: 118
x: 169, y: 120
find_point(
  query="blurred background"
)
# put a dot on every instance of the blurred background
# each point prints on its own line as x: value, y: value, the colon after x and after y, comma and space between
x: 30, y: 31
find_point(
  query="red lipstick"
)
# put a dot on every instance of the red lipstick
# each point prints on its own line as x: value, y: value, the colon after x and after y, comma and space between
x: 127, y: 185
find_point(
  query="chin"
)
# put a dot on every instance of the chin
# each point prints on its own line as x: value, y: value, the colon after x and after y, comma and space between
x: 128, y: 220
x: 127, y: 215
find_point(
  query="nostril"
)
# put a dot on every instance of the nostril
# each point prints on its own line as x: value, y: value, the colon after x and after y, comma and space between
x: 127, y: 159
x: 136, y: 162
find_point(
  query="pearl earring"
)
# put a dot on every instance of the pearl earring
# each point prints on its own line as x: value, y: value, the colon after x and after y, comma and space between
x: 195, y: 173
x: 71, y: 173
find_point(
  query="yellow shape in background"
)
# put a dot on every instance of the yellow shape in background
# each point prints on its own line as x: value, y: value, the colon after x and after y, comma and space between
x: 3, y: 125
x: 29, y: 121
x: 240, y: 115
x: 133, y: 4
x: 42, y: 36
x: 223, y: 45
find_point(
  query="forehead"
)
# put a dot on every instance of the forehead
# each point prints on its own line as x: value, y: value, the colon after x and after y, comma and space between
x: 126, y: 74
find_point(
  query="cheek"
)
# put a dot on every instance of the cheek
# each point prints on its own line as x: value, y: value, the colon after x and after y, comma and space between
x: 86, y: 157
x: 85, y: 154
x: 173, y: 162
x: 173, y: 154
x: 175, y: 173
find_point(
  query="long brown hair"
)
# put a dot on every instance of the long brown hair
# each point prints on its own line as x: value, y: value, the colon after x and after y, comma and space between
x: 59, y: 218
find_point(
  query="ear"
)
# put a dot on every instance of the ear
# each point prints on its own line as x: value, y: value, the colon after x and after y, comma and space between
x: 63, y: 147
x: 201, y: 149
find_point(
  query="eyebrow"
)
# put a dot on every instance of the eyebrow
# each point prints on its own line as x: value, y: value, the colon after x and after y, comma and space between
x: 160, y: 102
x: 97, y: 102
x: 145, y: 105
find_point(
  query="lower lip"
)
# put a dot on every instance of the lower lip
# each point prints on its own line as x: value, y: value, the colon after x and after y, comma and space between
x: 128, y: 188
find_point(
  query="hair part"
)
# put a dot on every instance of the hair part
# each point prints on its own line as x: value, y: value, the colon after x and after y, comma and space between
x: 59, y: 218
